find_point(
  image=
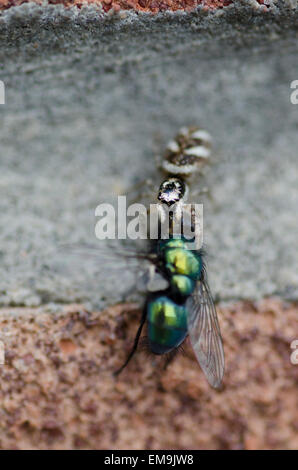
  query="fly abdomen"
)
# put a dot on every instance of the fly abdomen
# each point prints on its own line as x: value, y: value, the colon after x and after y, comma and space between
x: 167, y: 324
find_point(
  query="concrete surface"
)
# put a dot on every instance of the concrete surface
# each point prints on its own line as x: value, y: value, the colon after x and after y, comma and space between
x: 88, y: 95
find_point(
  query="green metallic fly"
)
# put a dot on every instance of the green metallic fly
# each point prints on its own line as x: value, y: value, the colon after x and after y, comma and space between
x: 183, y: 307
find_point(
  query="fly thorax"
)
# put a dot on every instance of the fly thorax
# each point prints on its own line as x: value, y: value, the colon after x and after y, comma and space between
x: 183, y: 261
x: 183, y: 267
x: 182, y: 286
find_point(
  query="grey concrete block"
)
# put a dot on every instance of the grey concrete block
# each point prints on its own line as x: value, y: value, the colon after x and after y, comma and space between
x: 87, y: 96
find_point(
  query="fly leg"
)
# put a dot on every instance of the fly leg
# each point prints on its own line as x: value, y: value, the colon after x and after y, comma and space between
x: 169, y: 358
x: 135, y: 345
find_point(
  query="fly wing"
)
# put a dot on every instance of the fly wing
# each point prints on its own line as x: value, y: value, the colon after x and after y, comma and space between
x: 113, y: 259
x: 109, y: 254
x: 204, y: 333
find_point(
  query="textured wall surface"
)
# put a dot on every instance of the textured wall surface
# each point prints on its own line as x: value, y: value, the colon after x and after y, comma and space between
x: 91, y: 98
x: 151, y: 6
x: 89, y: 101
x: 57, y: 390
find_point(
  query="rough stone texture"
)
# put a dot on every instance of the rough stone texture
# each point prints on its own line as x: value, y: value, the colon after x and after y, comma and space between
x: 57, y: 390
x: 91, y: 98
x: 151, y: 6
